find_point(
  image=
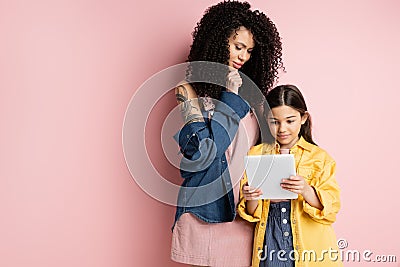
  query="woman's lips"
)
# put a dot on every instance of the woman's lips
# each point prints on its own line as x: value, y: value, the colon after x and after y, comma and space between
x: 237, y: 65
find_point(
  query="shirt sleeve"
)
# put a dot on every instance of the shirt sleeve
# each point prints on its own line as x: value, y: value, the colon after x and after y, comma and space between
x: 328, y: 192
x: 202, y: 142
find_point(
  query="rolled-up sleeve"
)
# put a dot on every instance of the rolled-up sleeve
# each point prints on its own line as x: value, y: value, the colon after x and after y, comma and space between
x: 328, y: 192
x: 214, y: 135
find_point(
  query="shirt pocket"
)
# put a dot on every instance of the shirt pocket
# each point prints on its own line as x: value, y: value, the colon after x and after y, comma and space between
x: 311, y: 175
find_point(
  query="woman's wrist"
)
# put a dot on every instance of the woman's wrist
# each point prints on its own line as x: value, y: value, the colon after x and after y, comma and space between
x: 232, y: 91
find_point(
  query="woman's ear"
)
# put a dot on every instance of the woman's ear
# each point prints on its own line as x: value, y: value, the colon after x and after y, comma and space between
x: 304, y: 118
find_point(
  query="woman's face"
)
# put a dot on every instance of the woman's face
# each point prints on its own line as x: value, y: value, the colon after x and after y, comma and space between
x: 241, y: 45
x: 285, y: 123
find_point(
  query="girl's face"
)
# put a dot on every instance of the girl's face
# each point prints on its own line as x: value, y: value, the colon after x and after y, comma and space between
x: 241, y: 45
x: 284, y: 123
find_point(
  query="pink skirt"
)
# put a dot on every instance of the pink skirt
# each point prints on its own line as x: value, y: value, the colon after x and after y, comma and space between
x: 199, y: 243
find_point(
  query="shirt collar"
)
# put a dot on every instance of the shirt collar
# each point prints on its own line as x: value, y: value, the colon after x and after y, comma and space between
x: 301, y: 143
x: 304, y: 144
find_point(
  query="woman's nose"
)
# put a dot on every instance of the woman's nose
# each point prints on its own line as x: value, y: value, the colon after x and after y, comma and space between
x: 244, y: 56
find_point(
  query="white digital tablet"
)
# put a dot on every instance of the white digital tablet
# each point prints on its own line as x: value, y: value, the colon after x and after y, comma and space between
x: 267, y: 171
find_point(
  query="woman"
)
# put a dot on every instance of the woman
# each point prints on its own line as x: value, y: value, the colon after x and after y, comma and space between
x: 217, y: 104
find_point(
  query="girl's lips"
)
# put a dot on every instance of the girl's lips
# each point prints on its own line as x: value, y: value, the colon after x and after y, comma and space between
x: 283, y: 136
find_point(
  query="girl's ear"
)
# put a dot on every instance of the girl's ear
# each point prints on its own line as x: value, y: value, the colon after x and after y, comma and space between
x: 304, y: 118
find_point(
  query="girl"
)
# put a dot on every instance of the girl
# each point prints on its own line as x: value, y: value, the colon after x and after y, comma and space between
x: 206, y: 230
x: 294, y: 232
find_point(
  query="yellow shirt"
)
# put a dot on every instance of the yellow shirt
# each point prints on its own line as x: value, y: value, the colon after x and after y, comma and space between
x: 314, y: 239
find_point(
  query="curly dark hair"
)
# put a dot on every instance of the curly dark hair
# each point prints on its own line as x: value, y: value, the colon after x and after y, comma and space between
x: 210, y: 43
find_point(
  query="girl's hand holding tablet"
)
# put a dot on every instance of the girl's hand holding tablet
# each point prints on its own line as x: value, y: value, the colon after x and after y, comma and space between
x: 296, y: 184
x: 251, y: 193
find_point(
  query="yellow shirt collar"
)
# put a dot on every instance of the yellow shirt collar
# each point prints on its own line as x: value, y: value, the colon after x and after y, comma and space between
x: 303, y: 144
x: 274, y: 149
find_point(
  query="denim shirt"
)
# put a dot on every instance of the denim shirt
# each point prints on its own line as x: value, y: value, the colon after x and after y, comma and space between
x: 206, y: 190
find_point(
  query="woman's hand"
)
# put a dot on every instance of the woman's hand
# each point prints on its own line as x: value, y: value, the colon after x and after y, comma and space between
x: 233, y: 81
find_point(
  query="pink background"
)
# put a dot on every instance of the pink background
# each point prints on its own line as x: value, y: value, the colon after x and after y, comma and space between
x: 69, y: 68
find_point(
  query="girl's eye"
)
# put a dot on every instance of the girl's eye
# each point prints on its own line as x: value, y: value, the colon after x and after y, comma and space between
x: 273, y: 122
x: 249, y: 51
x: 237, y: 47
x: 290, y: 121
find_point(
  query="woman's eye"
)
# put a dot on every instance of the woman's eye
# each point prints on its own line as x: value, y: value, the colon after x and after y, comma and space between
x: 291, y: 121
x: 249, y: 51
x: 237, y: 47
x: 273, y: 122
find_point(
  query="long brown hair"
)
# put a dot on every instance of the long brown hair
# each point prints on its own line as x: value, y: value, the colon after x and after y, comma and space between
x: 289, y: 95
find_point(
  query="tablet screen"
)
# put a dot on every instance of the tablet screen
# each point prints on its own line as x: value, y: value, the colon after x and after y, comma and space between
x: 267, y: 171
